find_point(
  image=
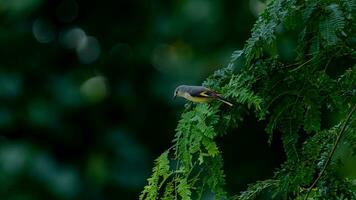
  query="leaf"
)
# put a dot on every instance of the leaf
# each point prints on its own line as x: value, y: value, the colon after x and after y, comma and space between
x: 255, y: 189
x: 183, y: 189
x: 160, y: 170
x: 169, y: 192
x: 333, y: 23
x: 290, y: 140
x: 210, y: 146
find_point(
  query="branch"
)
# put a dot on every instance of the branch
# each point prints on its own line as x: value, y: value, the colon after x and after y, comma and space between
x: 332, y: 151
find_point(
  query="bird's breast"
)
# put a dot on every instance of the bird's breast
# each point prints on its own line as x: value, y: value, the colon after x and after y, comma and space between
x: 197, y: 99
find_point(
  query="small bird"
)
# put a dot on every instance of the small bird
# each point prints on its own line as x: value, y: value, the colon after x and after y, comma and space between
x: 198, y: 94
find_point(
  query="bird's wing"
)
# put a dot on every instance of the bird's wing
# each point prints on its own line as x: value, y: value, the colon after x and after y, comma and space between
x: 204, y: 92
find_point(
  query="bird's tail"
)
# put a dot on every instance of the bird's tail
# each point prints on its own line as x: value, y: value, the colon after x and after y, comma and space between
x: 225, y: 101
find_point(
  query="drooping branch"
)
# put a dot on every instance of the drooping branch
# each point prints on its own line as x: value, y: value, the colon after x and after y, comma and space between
x: 332, y: 152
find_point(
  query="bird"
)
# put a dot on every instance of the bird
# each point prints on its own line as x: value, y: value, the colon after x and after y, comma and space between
x: 198, y: 94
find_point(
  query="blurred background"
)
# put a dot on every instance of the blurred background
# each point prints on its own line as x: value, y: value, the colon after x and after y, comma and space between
x: 86, y: 92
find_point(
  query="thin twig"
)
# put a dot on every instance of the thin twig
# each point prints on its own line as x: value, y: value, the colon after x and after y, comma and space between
x: 278, y: 96
x: 300, y: 66
x: 164, y: 180
x: 332, y: 151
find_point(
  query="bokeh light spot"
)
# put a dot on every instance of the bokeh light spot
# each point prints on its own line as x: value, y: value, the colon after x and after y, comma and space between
x: 65, y: 182
x: 172, y: 58
x: 88, y: 50
x: 94, y: 89
x: 97, y: 169
x: 12, y: 158
x: 61, y: 180
x: 133, y: 163
x: 198, y: 10
x: 43, y: 30
x: 42, y: 167
x: 41, y: 114
x: 256, y: 7
x: 18, y: 8
x: 71, y: 38
x: 10, y: 85
x: 66, y: 92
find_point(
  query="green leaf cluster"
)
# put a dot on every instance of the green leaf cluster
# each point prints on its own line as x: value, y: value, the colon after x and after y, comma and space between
x: 295, y: 97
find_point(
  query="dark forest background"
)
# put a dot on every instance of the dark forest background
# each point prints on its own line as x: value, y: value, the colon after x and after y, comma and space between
x: 86, y: 92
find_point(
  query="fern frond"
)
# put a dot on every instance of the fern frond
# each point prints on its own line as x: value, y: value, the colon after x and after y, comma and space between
x: 302, y: 101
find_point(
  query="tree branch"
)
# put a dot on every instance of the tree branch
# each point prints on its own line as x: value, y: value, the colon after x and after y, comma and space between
x: 332, y: 151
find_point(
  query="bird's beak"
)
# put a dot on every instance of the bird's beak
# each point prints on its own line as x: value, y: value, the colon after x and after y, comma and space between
x: 174, y: 96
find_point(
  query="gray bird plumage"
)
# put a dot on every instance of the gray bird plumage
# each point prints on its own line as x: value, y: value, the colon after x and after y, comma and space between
x: 198, y: 94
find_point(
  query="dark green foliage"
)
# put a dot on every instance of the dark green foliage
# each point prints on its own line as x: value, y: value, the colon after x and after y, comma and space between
x: 295, y: 98
x: 160, y: 173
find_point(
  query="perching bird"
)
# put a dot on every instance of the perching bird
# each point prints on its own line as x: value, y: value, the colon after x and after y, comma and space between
x: 198, y: 94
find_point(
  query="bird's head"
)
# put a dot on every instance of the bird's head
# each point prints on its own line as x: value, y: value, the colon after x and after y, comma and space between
x: 179, y: 91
